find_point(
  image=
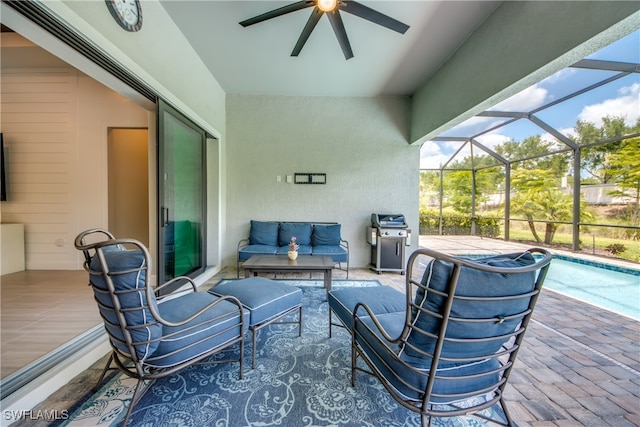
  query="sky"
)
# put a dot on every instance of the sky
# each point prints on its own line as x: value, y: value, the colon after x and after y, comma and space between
x: 618, y: 98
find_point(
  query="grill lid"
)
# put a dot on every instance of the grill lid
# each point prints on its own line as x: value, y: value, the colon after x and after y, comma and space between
x: 388, y: 221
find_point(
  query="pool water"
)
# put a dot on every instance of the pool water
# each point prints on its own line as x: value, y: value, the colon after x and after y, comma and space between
x: 613, y: 289
x: 606, y: 286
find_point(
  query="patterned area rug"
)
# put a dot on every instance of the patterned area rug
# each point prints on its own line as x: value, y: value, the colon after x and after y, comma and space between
x: 298, y: 381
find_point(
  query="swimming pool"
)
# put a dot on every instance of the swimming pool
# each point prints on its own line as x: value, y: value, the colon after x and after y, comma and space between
x: 610, y: 287
x: 606, y: 286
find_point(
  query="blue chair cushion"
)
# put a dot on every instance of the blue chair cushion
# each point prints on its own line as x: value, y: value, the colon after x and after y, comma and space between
x: 264, y: 298
x: 326, y: 235
x: 380, y: 299
x: 216, y: 326
x: 337, y: 253
x: 302, y: 250
x: 263, y: 233
x: 301, y: 231
x: 248, y: 251
x: 411, y: 383
x: 389, y: 308
x: 131, y: 293
x: 471, y: 283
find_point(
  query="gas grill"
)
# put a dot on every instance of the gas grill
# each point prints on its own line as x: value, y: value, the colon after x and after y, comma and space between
x: 388, y: 235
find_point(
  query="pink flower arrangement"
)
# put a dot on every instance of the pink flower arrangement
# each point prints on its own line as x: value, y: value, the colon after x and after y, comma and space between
x: 293, y: 246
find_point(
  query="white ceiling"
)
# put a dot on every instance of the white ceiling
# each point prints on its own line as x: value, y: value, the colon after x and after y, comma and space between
x: 256, y: 59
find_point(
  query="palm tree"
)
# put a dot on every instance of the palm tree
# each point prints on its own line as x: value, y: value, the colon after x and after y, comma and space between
x: 538, y: 198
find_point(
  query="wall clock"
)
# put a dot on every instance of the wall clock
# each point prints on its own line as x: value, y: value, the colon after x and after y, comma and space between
x: 127, y: 13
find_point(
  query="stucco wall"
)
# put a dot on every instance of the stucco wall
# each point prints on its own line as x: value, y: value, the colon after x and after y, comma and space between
x: 138, y: 53
x: 360, y: 143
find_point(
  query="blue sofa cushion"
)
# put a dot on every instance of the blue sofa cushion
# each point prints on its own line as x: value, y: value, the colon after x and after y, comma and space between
x: 471, y: 283
x: 264, y: 298
x: 338, y: 253
x: 301, y: 231
x: 131, y: 293
x: 263, y: 233
x: 326, y: 235
x: 248, y: 251
x: 380, y: 299
x: 216, y: 326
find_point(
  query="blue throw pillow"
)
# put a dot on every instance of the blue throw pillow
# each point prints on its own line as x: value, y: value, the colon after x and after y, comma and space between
x: 263, y: 233
x: 301, y: 231
x: 326, y: 235
x: 471, y: 283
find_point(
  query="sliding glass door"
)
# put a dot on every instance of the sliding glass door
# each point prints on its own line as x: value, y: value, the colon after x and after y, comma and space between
x: 181, y: 195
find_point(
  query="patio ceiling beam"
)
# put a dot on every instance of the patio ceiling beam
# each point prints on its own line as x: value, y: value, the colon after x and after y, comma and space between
x: 489, y: 151
x: 465, y: 138
x: 580, y: 92
x: 497, y: 126
x: 610, y: 140
x: 553, y: 131
x: 598, y: 64
x: 450, y: 139
x: 517, y: 115
x: 454, y: 155
x: 514, y: 114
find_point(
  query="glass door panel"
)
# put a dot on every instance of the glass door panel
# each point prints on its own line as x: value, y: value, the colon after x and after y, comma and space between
x: 181, y: 198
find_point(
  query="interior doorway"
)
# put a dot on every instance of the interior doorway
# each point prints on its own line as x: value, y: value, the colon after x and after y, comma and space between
x: 128, y: 171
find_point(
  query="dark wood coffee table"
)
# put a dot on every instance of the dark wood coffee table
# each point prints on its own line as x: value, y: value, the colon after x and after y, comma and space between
x: 282, y: 264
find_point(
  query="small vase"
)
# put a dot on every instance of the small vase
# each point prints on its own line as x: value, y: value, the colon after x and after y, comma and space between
x: 292, y: 254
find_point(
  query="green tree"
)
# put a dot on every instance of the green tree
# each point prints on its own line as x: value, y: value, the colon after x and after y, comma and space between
x: 595, y: 160
x: 457, y: 186
x: 534, y: 150
x: 429, y: 188
x: 624, y: 169
x: 537, y: 198
x: 459, y: 181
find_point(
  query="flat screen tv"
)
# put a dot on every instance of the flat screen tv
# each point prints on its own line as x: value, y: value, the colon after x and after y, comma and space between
x: 3, y: 178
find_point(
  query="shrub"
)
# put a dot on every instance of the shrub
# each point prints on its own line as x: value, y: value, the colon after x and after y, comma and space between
x: 456, y: 224
x: 616, y: 248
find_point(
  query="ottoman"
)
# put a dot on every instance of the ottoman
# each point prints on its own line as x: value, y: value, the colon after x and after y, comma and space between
x: 381, y: 300
x: 266, y: 300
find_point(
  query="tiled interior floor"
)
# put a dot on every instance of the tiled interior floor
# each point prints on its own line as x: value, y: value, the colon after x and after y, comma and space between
x: 579, y: 365
x: 40, y: 311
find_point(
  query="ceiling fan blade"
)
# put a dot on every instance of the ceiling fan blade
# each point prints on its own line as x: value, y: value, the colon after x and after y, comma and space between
x: 306, y: 31
x: 364, y: 12
x: 277, y: 12
x: 341, y: 33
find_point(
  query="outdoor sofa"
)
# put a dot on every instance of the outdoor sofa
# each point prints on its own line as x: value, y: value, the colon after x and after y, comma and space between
x: 315, y: 239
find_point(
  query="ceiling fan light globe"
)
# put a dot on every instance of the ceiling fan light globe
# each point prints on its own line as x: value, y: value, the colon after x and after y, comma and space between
x: 327, y: 5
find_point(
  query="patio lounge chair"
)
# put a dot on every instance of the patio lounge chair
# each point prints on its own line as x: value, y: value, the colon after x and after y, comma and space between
x: 153, y: 336
x: 446, y: 347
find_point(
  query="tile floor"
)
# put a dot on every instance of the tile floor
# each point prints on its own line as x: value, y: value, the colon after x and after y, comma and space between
x: 35, y: 314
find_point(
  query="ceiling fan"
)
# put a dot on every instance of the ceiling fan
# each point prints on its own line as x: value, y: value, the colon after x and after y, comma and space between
x: 332, y: 8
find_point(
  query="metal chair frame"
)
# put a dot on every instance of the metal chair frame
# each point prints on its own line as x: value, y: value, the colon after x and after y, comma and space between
x: 506, y: 355
x: 128, y: 361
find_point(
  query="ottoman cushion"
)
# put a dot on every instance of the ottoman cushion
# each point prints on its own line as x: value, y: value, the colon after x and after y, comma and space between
x: 380, y: 299
x: 264, y: 298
